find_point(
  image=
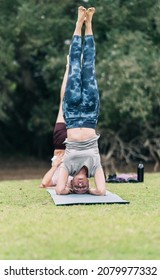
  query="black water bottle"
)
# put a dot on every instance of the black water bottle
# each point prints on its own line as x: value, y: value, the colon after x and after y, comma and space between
x: 140, y: 172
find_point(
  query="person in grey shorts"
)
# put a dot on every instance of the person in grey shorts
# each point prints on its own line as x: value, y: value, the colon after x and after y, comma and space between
x: 80, y: 110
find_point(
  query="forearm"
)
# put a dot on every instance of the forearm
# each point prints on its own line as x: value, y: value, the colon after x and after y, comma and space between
x: 47, y: 179
x: 100, y: 183
x: 61, y: 187
x: 65, y: 191
x: 96, y: 191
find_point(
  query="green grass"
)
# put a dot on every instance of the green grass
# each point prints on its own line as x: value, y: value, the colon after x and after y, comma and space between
x: 32, y: 227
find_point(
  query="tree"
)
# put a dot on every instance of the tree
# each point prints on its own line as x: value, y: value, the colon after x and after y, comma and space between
x: 34, y: 38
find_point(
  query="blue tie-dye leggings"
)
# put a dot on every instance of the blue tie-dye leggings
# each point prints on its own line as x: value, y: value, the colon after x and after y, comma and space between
x: 81, y: 97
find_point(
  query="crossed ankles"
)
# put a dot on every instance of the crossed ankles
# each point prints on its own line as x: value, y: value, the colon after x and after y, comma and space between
x: 84, y: 16
x: 81, y: 15
x: 89, y: 14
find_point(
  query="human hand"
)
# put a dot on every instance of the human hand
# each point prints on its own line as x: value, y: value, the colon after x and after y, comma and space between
x: 58, y: 160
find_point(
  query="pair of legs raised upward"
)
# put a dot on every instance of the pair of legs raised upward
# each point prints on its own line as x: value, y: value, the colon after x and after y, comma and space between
x: 81, y: 98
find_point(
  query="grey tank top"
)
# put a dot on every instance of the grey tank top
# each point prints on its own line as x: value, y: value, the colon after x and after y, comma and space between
x: 79, y: 154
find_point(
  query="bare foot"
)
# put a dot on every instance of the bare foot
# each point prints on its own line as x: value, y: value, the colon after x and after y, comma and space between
x: 88, y: 22
x: 81, y: 14
x: 89, y: 14
x: 80, y: 20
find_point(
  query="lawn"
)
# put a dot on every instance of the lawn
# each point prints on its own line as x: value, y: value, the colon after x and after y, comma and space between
x: 32, y: 227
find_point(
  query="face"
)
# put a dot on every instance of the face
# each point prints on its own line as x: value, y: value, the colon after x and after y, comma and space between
x: 80, y: 184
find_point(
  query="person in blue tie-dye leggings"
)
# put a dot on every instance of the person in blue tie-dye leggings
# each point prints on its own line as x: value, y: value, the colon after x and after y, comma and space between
x: 80, y: 111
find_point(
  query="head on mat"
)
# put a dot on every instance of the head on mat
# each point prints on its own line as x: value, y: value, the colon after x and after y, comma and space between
x: 80, y: 182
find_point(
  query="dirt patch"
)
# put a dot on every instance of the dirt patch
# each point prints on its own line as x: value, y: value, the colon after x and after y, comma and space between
x: 15, y: 169
x: 29, y: 168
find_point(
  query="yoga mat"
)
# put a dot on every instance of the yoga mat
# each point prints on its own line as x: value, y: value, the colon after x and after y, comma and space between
x: 72, y: 199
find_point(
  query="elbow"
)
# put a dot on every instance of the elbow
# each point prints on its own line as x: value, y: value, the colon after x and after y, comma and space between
x: 45, y: 184
x: 58, y: 191
x: 102, y: 192
x: 99, y: 192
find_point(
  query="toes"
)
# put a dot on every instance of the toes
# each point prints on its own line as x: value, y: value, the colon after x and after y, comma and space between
x: 81, y: 13
x: 81, y: 8
x: 92, y: 9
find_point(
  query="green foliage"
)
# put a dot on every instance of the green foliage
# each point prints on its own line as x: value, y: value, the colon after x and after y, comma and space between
x: 34, y: 37
x: 127, y: 77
